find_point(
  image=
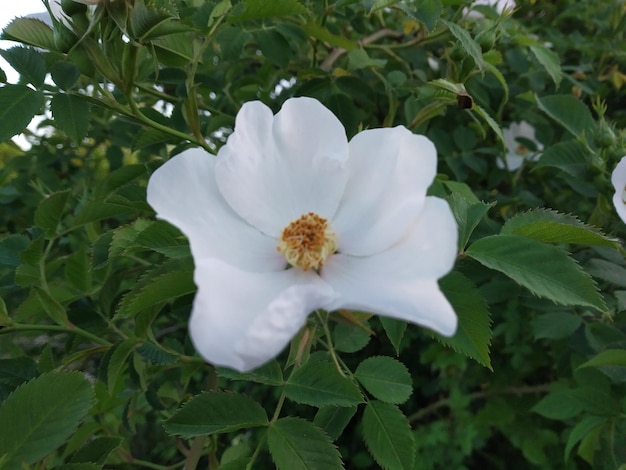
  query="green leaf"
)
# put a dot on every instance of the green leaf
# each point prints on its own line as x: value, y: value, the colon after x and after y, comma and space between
x: 97, y: 210
x: 385, y: 378
x: 64, y: 74
x: 41, y: 414
x: 545, y: 270
x: 10, y: 248
x: 30, y: 31
x: 79, y: 466
x: 71, y: 115
x: 559, y: 405
x: 571, y: 156
x: 394, y: 330
x: 117, y: 361
x: 607, y: 271
x: 350, y: 338
x: 215, y: 412
x: 553, y: 227
x: 5, y: 320
x: 359, y: 59
x: 388, y: 436
x: 50, y: 210
x: 467, y: 42
x: 319, y: 32
x: 296, y: 444
x: 549, y: 60
x: 52, y: 307
x: 156, y: 354
x: 77, y: 270
x: 473, y: 334
x: 609, y: 357
x: 269, y: 373
x: 96, y: 451
x: 29, y: 63
x: 18, y: 105
x: 555, y: 325
x: 426, y: 11
x: 582, y: 429
x: 261, y: 9
x: 468, y: 215
x: 14, y: 372
x: 568, y: 111
x: 334, y: 419
x: 320, y: 384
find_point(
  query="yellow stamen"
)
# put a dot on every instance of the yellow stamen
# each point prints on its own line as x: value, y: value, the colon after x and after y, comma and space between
x: 307, y: 242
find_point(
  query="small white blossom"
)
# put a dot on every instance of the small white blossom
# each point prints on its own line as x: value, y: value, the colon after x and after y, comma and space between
x: 618, y: 178
x: 516, y: 150
x: 290, y: 217
x: 499, y: 5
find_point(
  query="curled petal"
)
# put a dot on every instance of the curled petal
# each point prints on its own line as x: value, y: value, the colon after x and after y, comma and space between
x: 183, y: 191
x: 389, y: 173
x: 242, y: 320
x: 618, y: 178
x: 273, y: 169
x: 401, y: 282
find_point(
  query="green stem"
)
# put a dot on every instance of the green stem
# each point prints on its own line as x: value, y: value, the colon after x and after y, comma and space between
x: 64, y: 329
x: 331, y: 348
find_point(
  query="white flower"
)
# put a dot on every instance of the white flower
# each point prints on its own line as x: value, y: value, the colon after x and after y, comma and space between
x: 499, y: 5
x: 618, y: 178
x: 516, y: 150
x: 290, y: 217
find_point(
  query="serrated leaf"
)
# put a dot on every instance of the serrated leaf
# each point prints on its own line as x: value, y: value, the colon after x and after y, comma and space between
x: 350, y: 338
x: 334, y: 419
x: 77, y: 270
x: 71, y: 115
x: 18, y: 106
x: 555, y: 325
x: 16, y: 371
x: 261, y: 9
x: 395, y: 331
x: 28, y: 62
x: 426, y: 11
x: 568, y: 111
x: 467, y: 42
x: 30, y: 31
x: 269, y: 373
x: 388, y: 436
x: 545, y: 270
x: 41, y: 414
x: 387, y: 379
x: 117, y: 361
x: 473, y: 334
x: 571, y: 157
x: 553, y: 227
x: 320, y: 384
x: 97, y: 210
x: 52, y: 307
x: 50, y: 210
x: 96, y: 451
x: 607, y: 271
x: 550, y: 61
x: 64, y: 74
x: 319, y: 32
x: 609, y: 357
x: 468, y: 215
x: 156, y: 354
x: 215, y: 412
x: 296, y: 444
x: 5, y: 320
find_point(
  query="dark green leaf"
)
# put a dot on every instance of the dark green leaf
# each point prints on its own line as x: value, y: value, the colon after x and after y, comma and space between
x: 609, y: 357
x: 545, y: 270
x: 52, y: 307
x: 71, y: 115
x: 395, y: 330
x: 555, y: 325
x: 560, y: 404
x: 468, y: 215
x: 29, y: 63
x: 570, y: 156
x: 50, y: 210
x: 10, y: 248
x: 77, y: 270
x: 582, y: 429
x: 18, y: 105
x: 320, y: 384
x: 41, y: 414
x: 215, y: 412
x: 350, y: 338
x: 428, y: 12
x: 385, y: 378
x: 388, y: 436
x: 260, y: 9
x: 607, y: 271
x: 96, y: 451
x: 156, y: 354
x: 117, y: 361
x: 570, y: 112
x: 473, y: 334
x: 467, y: 42
x: 296, y: 444
x: 269, y: 373
x: 30, y: 31
x: 334, y: 419
x: 64, y: 74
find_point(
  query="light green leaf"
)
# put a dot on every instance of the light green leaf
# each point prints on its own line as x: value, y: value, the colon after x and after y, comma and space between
x: 467, y: 42
x: 215, y: 412
x: 385, y: 378
x: 30, y: 31
x: 28, y: 62
x: 473, y: 334
x: 261, y: 9
x: 493, y: 125
x: 359, y: 59
x: 555, y: 325
x: 50, y: 210
x: 320, y: 384
x: 18, y: 105
x: 296, y: 444
x: 71, y: 115
x: 550, y: 61
x: 545, y: 270
x: 609, y: 357
x: 568, y: 111
x: 553, y: 227
x: 334, y: 419
x: 388, y: 436
x: 41, y: 414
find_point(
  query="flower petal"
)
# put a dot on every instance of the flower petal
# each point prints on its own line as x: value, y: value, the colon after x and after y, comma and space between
x: 273, y: 169
x: 401, y: 282
x: 242, y: 320
x: 183, y: 191
x: 389, y: 173
x: 618, y: 178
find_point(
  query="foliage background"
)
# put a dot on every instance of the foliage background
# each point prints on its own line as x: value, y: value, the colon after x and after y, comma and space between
x: 95, y: 361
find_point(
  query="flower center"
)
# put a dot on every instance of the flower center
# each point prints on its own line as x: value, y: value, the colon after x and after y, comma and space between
x: 522, y: 149
x: 307, y: 242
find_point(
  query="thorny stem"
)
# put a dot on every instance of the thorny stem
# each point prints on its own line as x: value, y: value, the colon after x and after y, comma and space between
x: 446, y: 402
